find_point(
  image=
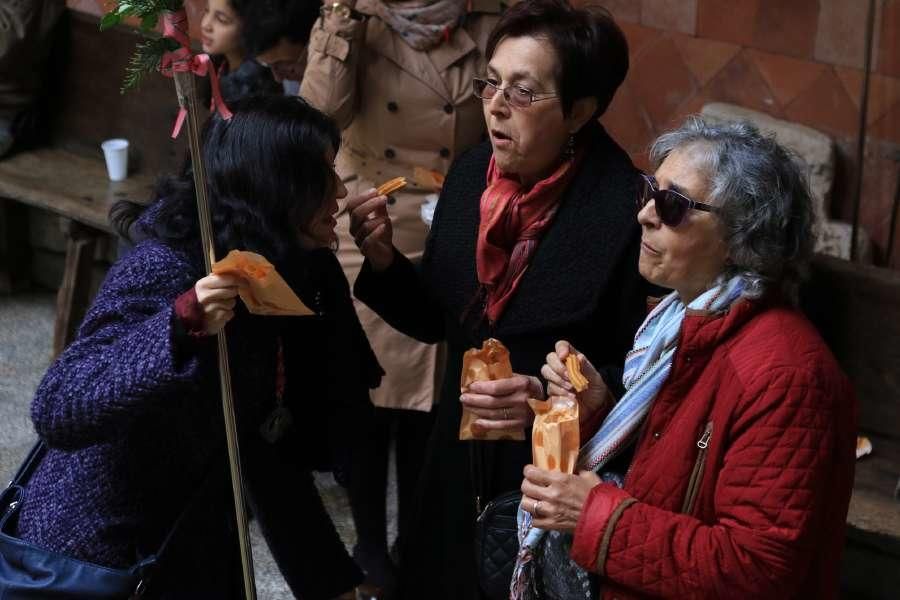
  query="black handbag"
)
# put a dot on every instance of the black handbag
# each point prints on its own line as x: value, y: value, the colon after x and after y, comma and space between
x: 28, y: 572
x: 497, y: 544
x: 496, y: 532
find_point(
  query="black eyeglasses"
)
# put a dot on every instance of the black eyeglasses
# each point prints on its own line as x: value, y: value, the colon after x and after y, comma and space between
x: 515, y: 95
x: 671, y: 206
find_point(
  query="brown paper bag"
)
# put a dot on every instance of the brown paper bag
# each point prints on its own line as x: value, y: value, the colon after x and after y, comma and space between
x: 264, y: 291
x: 489, y: 363
x: 555, y: 437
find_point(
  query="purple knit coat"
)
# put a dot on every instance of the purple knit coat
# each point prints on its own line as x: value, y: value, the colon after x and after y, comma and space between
x: 126, y: 415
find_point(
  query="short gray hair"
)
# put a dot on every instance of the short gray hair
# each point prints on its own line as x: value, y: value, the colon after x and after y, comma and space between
x: 766, y: 207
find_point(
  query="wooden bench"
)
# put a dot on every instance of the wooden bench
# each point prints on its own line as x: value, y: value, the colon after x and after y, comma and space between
x: 68, y: 177
x: 857, y: 310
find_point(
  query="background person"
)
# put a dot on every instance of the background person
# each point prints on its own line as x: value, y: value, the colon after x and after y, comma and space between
x: 742, y: 476
x: 534, y: 240
x: 397, y: 77
x: 221, y: 31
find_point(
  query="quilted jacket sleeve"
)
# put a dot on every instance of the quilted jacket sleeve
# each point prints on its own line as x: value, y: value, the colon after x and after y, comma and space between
x: 768, y: 496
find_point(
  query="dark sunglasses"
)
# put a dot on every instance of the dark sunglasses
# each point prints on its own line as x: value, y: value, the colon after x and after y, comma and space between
x: 670, y: 205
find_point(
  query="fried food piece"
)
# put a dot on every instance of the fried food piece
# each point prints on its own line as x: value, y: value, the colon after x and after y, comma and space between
x: 389, y: 187
x: 573, y: 366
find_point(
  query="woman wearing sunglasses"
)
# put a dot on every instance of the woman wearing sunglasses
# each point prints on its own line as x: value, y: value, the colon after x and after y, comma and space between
x: 745, y: 424
x: 534, y: 240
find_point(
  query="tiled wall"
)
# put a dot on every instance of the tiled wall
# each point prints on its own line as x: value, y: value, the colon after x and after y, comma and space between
x: 799, y: 60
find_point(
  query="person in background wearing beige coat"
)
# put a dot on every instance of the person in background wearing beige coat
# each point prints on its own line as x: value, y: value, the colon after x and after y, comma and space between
x: 397, y: 77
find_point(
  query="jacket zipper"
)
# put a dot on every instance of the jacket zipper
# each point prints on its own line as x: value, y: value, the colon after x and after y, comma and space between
x: 693, y: 488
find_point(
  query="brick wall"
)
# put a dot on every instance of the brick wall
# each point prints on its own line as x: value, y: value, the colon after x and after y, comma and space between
x: 799, y: 60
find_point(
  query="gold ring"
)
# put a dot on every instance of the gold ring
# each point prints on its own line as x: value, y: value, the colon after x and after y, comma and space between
x: 506, y: 414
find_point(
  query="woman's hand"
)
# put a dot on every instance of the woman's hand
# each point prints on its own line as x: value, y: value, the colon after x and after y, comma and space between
x: 503, y: 403
x: 370, y: 226
x: 216, y: 295
x: 592, y: 399
x: 555, y: 499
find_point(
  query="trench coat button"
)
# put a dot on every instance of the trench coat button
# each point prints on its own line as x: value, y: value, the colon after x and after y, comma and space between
x: 448, y: 108
x: 392, y: 106
x: 389, y: 153
x: 391, y: 200
x: 445, y: 153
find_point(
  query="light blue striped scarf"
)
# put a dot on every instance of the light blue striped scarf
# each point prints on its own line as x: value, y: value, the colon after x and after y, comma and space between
x: 647, y: 367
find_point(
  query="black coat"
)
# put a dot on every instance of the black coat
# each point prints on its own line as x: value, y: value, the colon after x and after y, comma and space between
x: 582, y: 285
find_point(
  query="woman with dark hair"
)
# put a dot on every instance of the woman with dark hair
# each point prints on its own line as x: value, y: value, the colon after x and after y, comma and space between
x: 533, y: 240
x: 131, y: 411
x: 745, y: 424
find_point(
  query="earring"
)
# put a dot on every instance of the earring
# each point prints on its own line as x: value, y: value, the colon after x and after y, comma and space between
x: 569, y: 150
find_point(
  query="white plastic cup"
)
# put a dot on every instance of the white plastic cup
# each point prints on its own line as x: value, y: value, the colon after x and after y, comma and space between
x: 116, y: 154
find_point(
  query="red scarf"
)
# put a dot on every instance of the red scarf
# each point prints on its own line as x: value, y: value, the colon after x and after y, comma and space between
x: 513, y: 219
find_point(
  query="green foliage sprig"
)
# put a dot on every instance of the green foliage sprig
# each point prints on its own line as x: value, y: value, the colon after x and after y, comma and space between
x: 148, y: 11
x: 148, y: 53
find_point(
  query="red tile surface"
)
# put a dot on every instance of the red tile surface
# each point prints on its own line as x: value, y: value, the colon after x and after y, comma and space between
x: 640, y: 38
x: 622, y: 10
x: 627, y: 122
x: 740, y: 83
x: 94, y: 7
x: 841, y: 35
x: 786, y: 77
x: 727, y: 20
x: 787, y: 27
x: 889, y: 41
x: 884, y: 92
x: 888, y: 127
x: 704, y: 58
x: 661, y: 81
x: 879, y: 181
x: 825, y: 105
x: 670, y: 15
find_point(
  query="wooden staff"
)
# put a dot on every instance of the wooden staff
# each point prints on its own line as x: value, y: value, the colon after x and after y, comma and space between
x: 186, y: 88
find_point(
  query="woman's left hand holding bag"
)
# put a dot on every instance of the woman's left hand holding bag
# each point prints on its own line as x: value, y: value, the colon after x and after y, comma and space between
x: 503, y: 403
x: 555, y: 500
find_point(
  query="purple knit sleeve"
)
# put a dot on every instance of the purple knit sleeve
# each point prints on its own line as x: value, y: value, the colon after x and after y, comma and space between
x: 127, y: 357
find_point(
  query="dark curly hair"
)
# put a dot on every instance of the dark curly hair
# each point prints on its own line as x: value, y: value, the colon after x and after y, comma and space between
x: 265, y: 22
x: 267, y: 172
x: 591, y: 49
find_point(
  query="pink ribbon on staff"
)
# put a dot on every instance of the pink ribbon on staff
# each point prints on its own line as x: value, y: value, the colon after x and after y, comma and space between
x: 175, y: 26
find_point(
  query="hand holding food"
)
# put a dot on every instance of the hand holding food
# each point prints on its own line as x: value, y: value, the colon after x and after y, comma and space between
x: 371, y: 228
x: 495, y: 400
x: 570, y: 373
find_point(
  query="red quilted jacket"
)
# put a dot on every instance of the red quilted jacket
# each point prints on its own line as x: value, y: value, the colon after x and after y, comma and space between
x: 743, y: 471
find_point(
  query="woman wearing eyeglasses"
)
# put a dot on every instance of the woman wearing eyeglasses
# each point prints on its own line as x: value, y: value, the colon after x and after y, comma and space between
x: 745, y: 424
x: 534, y: 240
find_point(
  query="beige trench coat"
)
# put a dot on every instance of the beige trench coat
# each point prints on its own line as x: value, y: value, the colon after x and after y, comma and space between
x: 399, y: 109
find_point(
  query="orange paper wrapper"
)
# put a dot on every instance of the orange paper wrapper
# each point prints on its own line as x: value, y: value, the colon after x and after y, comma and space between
x: 555, y: 438
x: 264, y: 291
x: 428, y: 179
x: 489, y: 363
